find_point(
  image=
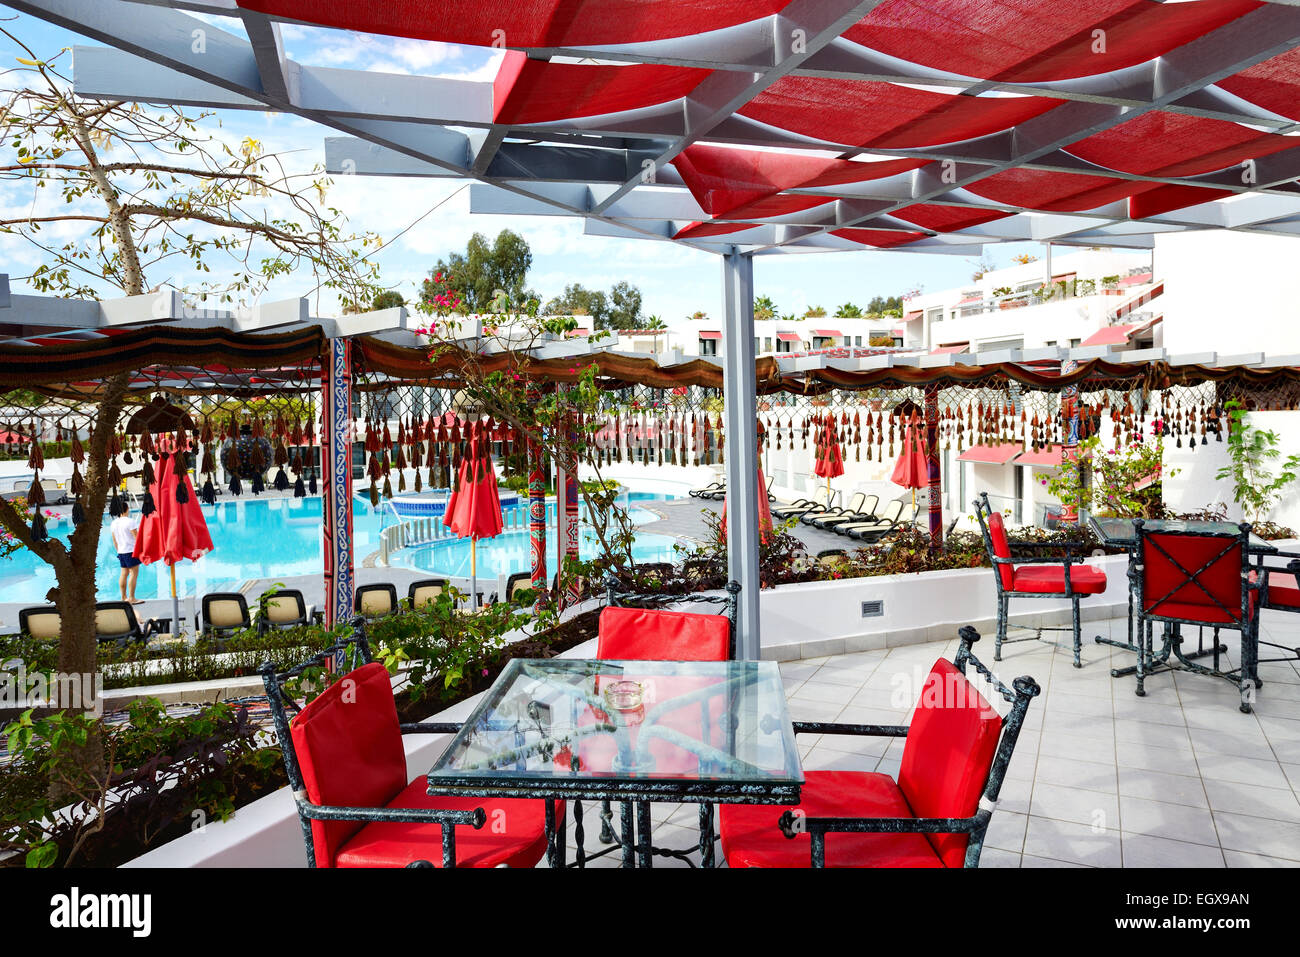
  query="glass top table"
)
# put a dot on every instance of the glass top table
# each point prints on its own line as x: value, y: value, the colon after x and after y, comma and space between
x: 1120, y: 533
x: 694, y: 731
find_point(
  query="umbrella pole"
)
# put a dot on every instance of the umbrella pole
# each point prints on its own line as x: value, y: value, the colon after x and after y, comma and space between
x: 176, y: 614
x: 473, y: 573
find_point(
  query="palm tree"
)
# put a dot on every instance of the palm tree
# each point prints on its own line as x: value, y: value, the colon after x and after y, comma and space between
x: 848, y: 311
x: 764, y: 308
x: 655, y: 324
x: 815, y: 312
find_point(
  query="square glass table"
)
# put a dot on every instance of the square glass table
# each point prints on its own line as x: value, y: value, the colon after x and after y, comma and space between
x: 627, y: 731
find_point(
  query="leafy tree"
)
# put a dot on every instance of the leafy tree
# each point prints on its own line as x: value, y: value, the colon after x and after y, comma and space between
x: 152, y: 191
x: 815, y: 312
x: 698, y: 316
x: 655, y: 324
x: 388, y: 299
x: 624, y: 307
x: 483, y: 269
x: 764, y: 308
x: 577, y: 300
x: 885, y: 306
x: 848, y: 311
x: 1253, y: 453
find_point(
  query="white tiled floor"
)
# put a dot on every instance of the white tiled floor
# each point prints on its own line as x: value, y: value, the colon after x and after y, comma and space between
x: 1101, y: 777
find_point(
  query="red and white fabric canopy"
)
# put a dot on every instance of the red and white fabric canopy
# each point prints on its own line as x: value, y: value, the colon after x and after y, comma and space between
x: 786, y: 125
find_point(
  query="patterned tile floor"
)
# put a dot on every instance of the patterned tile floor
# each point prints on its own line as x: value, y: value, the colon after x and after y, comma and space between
x: 1101, y: 777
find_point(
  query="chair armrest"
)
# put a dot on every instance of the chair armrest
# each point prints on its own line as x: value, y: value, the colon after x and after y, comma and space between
x: 877, y: 730
x: 1040, y: 560
x: 431, y: 727
x: 407, y: 815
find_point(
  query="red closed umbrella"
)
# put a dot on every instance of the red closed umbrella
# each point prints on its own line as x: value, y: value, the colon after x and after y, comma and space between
x: 765, y: 529
x: 911, y: 470
x: 474, y: 509
x: 830, y: 460
x: 175, y: 530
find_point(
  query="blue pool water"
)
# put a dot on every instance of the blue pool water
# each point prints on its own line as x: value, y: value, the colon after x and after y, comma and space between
x: 279, y: 538
x: 509, y: 552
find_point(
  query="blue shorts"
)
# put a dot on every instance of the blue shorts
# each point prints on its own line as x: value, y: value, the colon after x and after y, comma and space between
x: 127, y: 560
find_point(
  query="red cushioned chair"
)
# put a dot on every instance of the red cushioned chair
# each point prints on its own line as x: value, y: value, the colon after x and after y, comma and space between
x: 1198, y: 578
x: 628, y: 631
x: 346, y: 766
x: 934, y: 815
x: 1036, y: 577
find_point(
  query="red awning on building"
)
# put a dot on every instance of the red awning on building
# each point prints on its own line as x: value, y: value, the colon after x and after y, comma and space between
x: 991, y: 454
x: 828, y: 333
x: 913, y: 315
x: 1044, y: 458
x: 710, y: 334
x: 787, y: 336
x: 1119, y: 335
x: 950, y: 350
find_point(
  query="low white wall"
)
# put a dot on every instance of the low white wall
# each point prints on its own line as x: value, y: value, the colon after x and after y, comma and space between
x: 825, y: 618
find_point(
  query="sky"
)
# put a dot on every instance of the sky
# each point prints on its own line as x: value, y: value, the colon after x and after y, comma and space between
x: 422, y: 221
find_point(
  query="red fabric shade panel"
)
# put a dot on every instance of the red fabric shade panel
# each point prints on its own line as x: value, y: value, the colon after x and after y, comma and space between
x: 880, y: 238
x: 524, y: 23
x: 774, y: 207
x: 698, y: 230
x: 886, y: 115
x: 541, y: 92
x: 1164, y: 199
x: 730, y: 182
x: 944, y: 219
x: 1053, y: 192
x: 1171, y: 144
x: 1037, y: 40
x: 1273, y: 84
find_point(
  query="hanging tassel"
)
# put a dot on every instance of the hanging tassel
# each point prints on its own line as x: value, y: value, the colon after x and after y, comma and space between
x: 148, y: 508
x: 208, y: 494
x: 299, y: 491
x: 258, y: 486
x: 36, y: 494
x: 388, y: 487
x: 235, y: 487
x: 374, y: 494
x: 281, y: 480
x: 182, y: 493
x: 38, y: 526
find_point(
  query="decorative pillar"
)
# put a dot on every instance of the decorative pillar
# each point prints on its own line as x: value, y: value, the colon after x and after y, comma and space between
x: 1070, y: 447
x: 740, y: 404
x: 336, y: 491
x: 932, y: 464
x: 536, y: 502
x: 566, y: 513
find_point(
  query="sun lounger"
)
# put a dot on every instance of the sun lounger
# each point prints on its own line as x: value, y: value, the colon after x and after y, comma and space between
x: 853, y: 508
x: 906, y: 515
x: 865, y: 513
x: 885, y: 519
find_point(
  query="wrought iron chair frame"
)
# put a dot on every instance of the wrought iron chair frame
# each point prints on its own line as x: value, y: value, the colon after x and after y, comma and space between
x: 1023, y: 690
x: 1292, y: 568
x: 984, y: 509
x: 1246, y: 677
x: 352, y: 653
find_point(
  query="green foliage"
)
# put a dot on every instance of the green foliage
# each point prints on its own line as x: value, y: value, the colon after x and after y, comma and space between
x: 388, y: 299
x: 764, y: 308
x: 482, y: 270
x: 848, y: 311
x: 1253, y: 453
x: 1126, y: 482
x: 166, y: 773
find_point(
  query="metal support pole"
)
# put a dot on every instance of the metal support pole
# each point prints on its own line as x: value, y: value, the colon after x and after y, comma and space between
x: 536, y: 503
x: 932, y: 465
x: 740, y: 405
x: 336, y: 489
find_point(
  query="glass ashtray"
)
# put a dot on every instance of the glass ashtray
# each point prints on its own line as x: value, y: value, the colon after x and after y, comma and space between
x: 625, y: 695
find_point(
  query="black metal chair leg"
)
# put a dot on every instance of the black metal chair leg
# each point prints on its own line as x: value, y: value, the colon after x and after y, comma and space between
x: 1002, y: 627
x: 606, y: 833
x: 1078, y: 636
x: 579, y: 836
x: 706, y: 835
x: 643, y: 837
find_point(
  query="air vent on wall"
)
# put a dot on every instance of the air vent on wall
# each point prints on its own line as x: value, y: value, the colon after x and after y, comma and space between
x: 873, y: 609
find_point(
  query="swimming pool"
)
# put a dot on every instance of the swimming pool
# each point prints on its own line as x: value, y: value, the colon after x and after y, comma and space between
x: 273, y: 538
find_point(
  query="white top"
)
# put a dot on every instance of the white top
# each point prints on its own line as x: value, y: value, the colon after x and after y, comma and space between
x: 124, y: 528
